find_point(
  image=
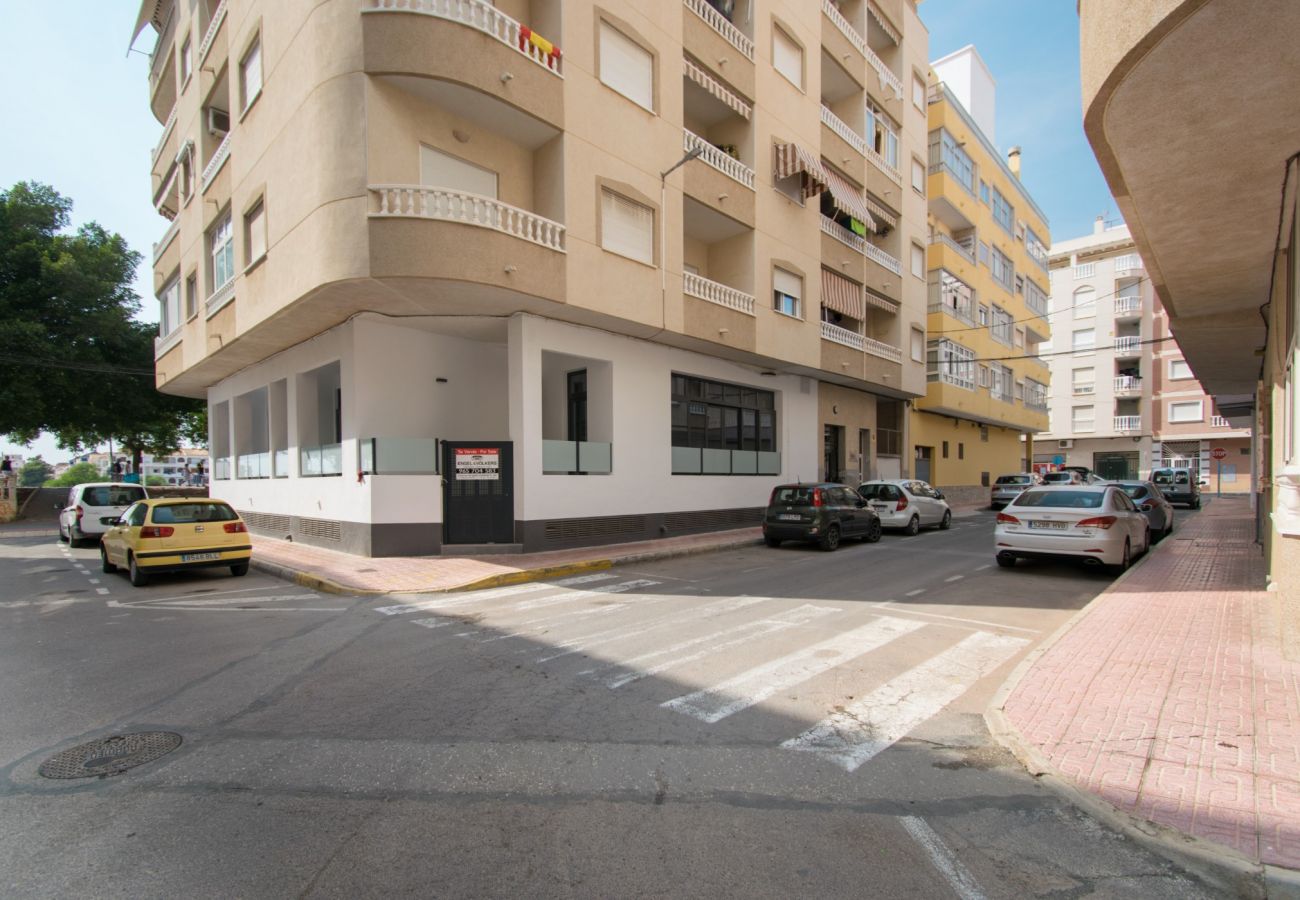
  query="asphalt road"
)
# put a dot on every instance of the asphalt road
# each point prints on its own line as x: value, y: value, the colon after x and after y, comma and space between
x: 752, y: 722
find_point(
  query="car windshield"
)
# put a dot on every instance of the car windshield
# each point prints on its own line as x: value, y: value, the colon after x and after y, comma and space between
x: 1134, y: 490
x: 879, y: 492
x: 112, y: 496
x: 1171, y: 476
x: 205, y: 511
x: 1058, y: 477
x: 792, y: 496
x: 1014, y: 479
x: 1063, y: 499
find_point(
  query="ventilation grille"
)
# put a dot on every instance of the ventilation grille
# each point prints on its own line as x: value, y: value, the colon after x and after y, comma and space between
x: 321, y: 529
x: 711, y: 519
x: 265, y: 522
x: 579, y: 529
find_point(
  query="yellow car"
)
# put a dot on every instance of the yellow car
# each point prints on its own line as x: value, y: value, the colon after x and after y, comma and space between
x: 172, y: 535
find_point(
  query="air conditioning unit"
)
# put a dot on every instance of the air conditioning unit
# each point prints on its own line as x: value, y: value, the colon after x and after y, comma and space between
x: 1065, y: 445
x: 218, y: 121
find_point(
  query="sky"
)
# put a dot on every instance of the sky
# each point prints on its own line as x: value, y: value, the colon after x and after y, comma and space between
x: 76, y: 114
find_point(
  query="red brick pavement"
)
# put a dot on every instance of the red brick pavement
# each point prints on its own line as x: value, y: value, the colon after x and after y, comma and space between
x: 1175, y: 698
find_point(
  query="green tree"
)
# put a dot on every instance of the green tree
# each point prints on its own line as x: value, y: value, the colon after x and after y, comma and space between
x: 81, y: 473
x: 73, y: 361
x: 155, y: 481
x: 34, y: 472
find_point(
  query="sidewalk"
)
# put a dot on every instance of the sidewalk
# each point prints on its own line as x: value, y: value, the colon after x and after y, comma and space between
x: 1174, y: 699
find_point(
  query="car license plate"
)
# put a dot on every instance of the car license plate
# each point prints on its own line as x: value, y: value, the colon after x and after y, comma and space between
x: 1049, y: 526
x: 199, y: 557
x: 789, y: 517
x: 880, y: 507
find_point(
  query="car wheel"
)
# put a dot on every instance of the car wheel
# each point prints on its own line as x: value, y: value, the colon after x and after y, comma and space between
x: 830, y: 538
x: 104, y: 564
x: 1169, y: 527
x: 913, y: 526
x: 1124, y: 560
x: 771, y: 541
x: 138, y: 578
x: 1197, y: 504
x: 239, y: 568
x: 946, y: 522
x: 1146, y: 540
x: 1006, y: 560
x: 874, y: 531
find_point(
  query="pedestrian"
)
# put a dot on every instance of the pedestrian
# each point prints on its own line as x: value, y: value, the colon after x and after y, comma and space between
x: 198, y: 473
x: 117, y: 469
x: 186, y: 475
x: 6, y: 472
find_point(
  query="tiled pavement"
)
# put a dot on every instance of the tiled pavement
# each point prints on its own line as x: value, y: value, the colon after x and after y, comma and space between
x: 1176, y: 696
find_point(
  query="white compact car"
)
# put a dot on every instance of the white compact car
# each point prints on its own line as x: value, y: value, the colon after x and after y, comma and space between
x: 88, y: 503
x: 1097, y: 523
x: 907, y: 504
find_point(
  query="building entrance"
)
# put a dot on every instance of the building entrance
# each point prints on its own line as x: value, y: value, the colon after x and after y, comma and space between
x: 1116, y: 466
x: 478, y: 504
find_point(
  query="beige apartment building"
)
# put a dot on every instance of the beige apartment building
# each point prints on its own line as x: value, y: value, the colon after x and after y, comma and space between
x: 1123, y: 398
x: 537, y: 273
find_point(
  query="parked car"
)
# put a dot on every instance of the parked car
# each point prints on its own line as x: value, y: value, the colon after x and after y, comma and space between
x: 175, y: 535
x: 1096, y: 523
x: 89, y: 503
x: 1008, y: 487
x: 1178, y: 486
x: 907, y: 504
x: 1153, y: 504
x: 1073, y: 475
x: 824, y: 513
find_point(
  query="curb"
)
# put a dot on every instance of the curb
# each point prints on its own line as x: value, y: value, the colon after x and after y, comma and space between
x: 1216, y: 864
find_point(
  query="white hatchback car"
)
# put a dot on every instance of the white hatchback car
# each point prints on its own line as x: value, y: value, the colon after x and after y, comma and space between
x: 88, y: 503
x: 907, y: 504
x: 1097, y: 523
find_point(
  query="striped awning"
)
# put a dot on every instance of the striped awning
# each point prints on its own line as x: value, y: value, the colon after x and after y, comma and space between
x: 715, y: 87
x: 791, y: 159
x: 880, y: 302
x: 883, y: 21
x: 881, y: 213
x: 848, y: 199
x: 842, y: 295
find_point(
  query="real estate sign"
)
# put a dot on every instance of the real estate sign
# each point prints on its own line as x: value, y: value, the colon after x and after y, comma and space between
x: 478, y: 463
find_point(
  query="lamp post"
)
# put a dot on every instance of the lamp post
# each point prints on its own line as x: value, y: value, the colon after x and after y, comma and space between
x: 663, y: 221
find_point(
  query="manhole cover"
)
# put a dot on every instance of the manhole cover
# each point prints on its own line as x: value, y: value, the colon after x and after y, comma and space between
x: 111, y: 755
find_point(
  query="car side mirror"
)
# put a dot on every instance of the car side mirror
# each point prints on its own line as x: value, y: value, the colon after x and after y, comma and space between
x: 860, y: 503
x: 1145, y: 507
x: 938, y: 494
x: 109, y: 520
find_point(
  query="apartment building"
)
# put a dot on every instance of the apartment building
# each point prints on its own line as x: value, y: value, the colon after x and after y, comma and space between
x: 1123, y: 399
x: 539, y: 273
x: 986, y: 270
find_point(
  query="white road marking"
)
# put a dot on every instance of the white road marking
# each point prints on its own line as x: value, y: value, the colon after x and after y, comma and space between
x: 958, y: 876
x: 748, y: 688
x: 570, y: 596
x: 94, y: 581
x: 981, y: 622
x: 955, y: 578
x: 631, y: 670
x: 431, y: 623
x: 915, y: 592
x: 232, y: 601
x: 101, y: 590
x: 982, y: 568
x: 452, y: 601
x: 873, y: 723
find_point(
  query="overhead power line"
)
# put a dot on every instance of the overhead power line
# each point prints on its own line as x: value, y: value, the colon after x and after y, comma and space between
x: 1046, y: 315
x: 98, y: 368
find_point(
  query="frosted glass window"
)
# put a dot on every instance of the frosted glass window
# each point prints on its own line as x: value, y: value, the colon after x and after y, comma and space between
x: 438, y: 169
x: 626, y: 67
x: 627, y: 227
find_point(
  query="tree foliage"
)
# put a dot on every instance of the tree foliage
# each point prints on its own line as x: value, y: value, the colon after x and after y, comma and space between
x: 81, y: 473
x: 34, y: 472
x: 73, y: 361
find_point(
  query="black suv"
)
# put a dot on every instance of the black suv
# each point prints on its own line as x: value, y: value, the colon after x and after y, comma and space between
x: 824, y: 513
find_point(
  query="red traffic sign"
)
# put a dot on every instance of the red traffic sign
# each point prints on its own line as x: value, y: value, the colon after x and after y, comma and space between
x: 1219, y: 453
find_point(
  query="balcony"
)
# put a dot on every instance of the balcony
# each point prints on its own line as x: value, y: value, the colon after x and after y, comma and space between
x: 838, y: 335
x: 887, y: 78
x: 883, y: 165
x: 882, y: 350
x: 482, y: 17
x: 1128, y: 308
x: 1127, y: 386
x: 210, y: 36
x: 1126, y: 347
x: 214, y: 165
x: 711, y: 38
x: 944, y: 240
x: 883, y: 259
x: 1129, y: 264
x: 842, y: 129
x: 1128, y: 424
x: 165, y: 241
x: 843, y: 235
x: 423, y: 202
x: 714, y: 292
x: 322, y: 461
x: 577, y: 458
x: 1219, y: 422
x: 719, y: 159
x: 841, y: 39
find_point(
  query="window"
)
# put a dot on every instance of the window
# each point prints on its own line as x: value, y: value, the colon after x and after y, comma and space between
x: 947, y: 152
x: 918, y: 260
x: 250, y: 73
x: 951, y: 295
x: 192, y: 295
x: 722, y: 416
x: 918, y: 176
x: 918, y: 345
x: 1035, y: 297
x: 1084, y: 339
x: 1083, y: 381
x: 961, y: 450
x: 1178, y: 368
x: 626, y: 66
x: 627, y: 227
x: 984, y: 315
x: 1002, y: 269
x: 221, y: 251
x: 918, y: 91
x: 187, y: 60
x: 951, y: 363
x: 255, y: 233
x: 1037, y: 249
x: 1001, y: 326
x: 1003, y: 212
x: 983, y: 376
x: 1001, y: 383
x: 1020, y: 285
x: 169, y: 308
x: 1083, y: 418
x: 882, y: 134
x: 983, y: 253
x: 1186, y: 411
x: 1085, y: 303
x: 1020, y: 338
x: 787, y: 289
x: 440, y: 169
x: 984, y: 192
x: 187, y: 170
x: 945, y: 449
x: 787, y: 56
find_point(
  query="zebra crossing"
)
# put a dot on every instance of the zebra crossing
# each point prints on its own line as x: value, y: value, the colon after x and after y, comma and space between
x: 625, y: 631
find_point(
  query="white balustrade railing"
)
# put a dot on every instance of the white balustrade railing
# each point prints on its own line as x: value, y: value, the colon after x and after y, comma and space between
x: 883, y: 350
x: 164, y: 342
x: 213, y: 27
x: 218, y: 160
x: 843, y: 235
x: 478, y: 15
x: 1127, y: 384
x: 168, y: 236
x: 1127, y: 306
x: 425, y: 202
x: 1128, y: 423
x: 1130, y: 262
x: 941, y: 238
x: 1128, y: 346
x: 159, y: 51
x: 886, y: 76
x: 840, y: 127
x: 843, y: 336
x: 703, y: 288
x: 1219, y: 422
x: 843, y: 25
x: 719, y: 159
x: 1085, y: 270
x: 883, y: 165
x: 167, y: 133
x: 880, y: 257
x: 719, y: 23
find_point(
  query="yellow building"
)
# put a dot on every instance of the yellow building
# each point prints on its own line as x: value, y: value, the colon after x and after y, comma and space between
x: 986, y: 267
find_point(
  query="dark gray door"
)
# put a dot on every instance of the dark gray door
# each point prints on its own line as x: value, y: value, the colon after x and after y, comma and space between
x: 924, y: 459
x: 478, y: 492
